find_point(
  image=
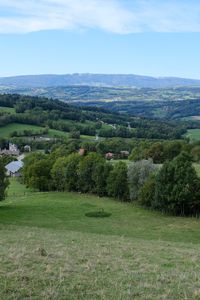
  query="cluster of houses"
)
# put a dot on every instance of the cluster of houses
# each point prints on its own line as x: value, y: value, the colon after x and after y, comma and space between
x: 13, y: 168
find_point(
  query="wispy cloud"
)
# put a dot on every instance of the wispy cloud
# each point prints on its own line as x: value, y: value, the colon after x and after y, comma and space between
x: 117, y: 16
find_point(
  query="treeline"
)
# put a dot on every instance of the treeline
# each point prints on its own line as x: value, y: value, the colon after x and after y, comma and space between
x: 174, y: 188
x: 60, y: 171
x: 158, y: 151
x: 162, y: 151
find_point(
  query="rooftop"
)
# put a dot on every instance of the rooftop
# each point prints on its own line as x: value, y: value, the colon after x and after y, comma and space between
x: 14, y: 166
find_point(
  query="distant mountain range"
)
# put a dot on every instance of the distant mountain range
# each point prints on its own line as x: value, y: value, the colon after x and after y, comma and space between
x: 109, y: 80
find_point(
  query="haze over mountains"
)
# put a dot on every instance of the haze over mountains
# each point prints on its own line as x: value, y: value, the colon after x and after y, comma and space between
x: 114, y: 80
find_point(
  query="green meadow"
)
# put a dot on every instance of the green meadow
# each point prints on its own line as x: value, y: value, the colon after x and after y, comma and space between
x: 6, y: 131
x: 10, y: 110
x: 51, y: 250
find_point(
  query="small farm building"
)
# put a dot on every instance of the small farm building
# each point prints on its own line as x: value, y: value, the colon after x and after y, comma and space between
x: 13, y: 168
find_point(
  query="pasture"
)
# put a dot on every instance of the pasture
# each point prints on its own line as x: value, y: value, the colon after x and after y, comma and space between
x: 51, y: 250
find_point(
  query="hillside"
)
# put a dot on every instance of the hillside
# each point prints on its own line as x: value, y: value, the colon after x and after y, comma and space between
x: 121, y: 80
x: 168, y: 103
x: 51, y: 250
x: 89, y: 121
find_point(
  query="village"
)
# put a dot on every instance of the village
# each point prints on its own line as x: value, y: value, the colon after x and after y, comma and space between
x: 14, y: 167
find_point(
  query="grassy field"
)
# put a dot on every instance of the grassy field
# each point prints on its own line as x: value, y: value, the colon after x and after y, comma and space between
x: 51, y: 250
x: 193, y: 134
x: 7, y: 109
x: 5, y: 131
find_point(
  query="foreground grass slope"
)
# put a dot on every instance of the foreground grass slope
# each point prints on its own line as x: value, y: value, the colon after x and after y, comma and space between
x: 51, y: 250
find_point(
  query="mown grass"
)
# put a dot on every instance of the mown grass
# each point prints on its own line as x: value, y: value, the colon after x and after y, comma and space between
x: 51, y: 250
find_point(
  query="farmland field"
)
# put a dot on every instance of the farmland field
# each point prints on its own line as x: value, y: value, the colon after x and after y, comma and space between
x: 51, y: 250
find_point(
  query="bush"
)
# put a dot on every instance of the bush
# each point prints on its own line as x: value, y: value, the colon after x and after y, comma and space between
x: 98, y: 214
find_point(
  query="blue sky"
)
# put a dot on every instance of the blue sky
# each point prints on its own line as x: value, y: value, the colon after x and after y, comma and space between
x: 158, y: 38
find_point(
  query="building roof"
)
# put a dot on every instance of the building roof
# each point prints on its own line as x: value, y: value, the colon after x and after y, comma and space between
x: 14, y: 166
x: 81, y: 151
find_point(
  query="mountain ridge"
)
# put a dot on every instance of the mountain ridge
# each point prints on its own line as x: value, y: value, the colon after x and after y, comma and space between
x: 110, y: 80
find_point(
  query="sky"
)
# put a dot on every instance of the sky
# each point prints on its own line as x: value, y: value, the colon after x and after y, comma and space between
x: 145, y: 37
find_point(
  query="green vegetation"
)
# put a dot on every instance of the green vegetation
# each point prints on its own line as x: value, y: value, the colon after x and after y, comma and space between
x: 61, y: 244
x: 197, y: 168
x: 7, y: 109
x: 3, y: 180
x: 193, y: 134
x: 175, y: 189
x: 60, y: 116
x: 51, y: 250
x: 6, y: 131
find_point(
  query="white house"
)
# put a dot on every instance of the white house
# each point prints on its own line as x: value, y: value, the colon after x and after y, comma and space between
x: 13, y: 150
x: 13, y: 168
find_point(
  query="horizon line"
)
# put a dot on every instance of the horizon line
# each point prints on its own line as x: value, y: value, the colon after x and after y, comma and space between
x: 90, y: 73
